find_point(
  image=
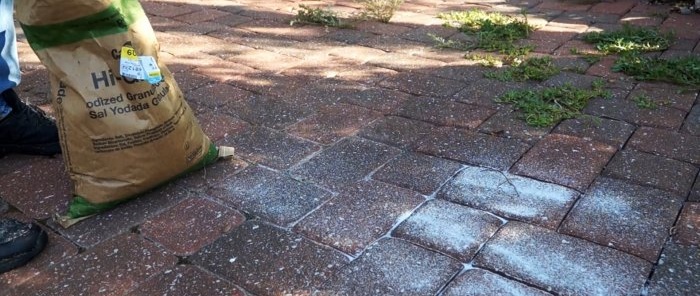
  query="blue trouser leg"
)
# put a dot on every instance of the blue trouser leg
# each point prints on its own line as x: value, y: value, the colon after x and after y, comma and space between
x: 9, y: 66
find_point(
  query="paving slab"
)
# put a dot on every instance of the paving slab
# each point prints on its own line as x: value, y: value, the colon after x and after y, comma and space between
x: 695, y: 192
x: 266, y: 260
x: 510, y: 196
x: 333, y: 123
x: 627, y: 110
x: 190, y: 225
x: 655, y: 171
x: 687, y: 229
x: 186, y: 280
x: 379, y: 99
x: 667, y: 143
x: 423, y: 85
x: 562, y: 264
x: 612, y: 132
x: 271, y: 195
x: 418, y: 172
x: 449, y: 228
x: 359, y: 215
x: 692, y: 122
x: 664, y: 94
x: 114, y: 267
x: 473, y: 148
x: 18, y: 187
x: 627, y: 217
x: 445, y: 113
x: 123, y: 218
x: 678, y: 271
x: 383, y: 270
x: 485, y: 91
x: 565, y: 160
x: 268, y: 111
x: 398, y: 131
x: 479, y: 282
x: 510, y: 124
x: 346, y: 162
x: 271, y: 148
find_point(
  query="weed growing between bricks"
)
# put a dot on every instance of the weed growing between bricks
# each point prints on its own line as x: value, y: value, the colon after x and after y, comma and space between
x: 546, y: 107
x: 643, y: 101
x: 317, y: 16
x: 682, y: 70
x: 631, y: 41
x: 492, y: 32
x: 380, y: 10
x: 535, y: 68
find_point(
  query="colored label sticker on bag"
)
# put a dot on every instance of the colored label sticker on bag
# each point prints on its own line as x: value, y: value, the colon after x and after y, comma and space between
x: 139, y: 67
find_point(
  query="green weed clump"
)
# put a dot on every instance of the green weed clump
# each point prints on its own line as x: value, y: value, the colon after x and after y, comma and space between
x: 629, y: 39
x: 644, y: 102
x: 381, y: 10
x: 680, y: 70
x: 545, y: 107
x: 493, y: 31
x: 536, y: 68
x: 317, y: 16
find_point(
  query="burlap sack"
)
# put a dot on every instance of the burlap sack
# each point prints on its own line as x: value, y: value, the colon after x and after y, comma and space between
x: 120, y: 136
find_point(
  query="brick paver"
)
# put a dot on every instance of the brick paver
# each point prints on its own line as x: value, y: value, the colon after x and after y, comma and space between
x: 190, y: 225
x: 333, y: 123
x: 451, y: 229
x: 510, y: 196
x: 482, y: 282
x: 673, y: 145
x: 371, y: 162
x: 186, y: 280
x: 359, y: 215
x: 267, y: 260
x: 418, y: 172
x: 608, y: 131
x: 562, y: 264
x: 271, y: 148
x: 384, y: 270
x: 473, y: 148
x: 565, y: 160
x: 626, y: 217
x: 348, y: 161
x: 656, y: 171
x: 677, y: 271
x: 114, y: 267
x: 271, y: 195
x: 398, y: 131
x: 688, y: 226
x: 445, y: 113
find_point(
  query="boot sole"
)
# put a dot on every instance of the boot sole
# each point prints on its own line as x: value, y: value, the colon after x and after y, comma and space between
x: 23, y: 258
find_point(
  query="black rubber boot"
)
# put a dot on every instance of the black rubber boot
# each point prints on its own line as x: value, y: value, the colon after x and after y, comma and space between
x: 27, y: 129
x: 19, y: 243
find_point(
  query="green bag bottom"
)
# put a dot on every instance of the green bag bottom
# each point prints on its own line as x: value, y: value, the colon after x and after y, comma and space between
x: 80, y: 208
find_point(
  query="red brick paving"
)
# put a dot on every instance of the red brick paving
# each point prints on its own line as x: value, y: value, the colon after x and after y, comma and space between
x: 320, y: 111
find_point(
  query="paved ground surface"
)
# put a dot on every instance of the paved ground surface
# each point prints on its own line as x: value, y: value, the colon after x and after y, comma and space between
x: 370, y: 163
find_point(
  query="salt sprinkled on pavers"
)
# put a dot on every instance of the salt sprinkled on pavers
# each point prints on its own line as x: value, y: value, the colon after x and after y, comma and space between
x: 479, y: 282
x: 453, y: 229
x: 393, y: 267
x: 271, y: 195
x: 678, y: 272
x: 359, y: 215
x: 186, y: 280
x: 627, y: 217
x: 562, y: 264
x: 267, y: 260
x: 510, y: 196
